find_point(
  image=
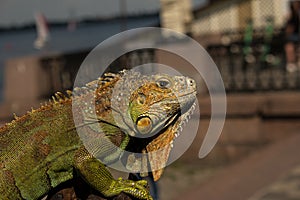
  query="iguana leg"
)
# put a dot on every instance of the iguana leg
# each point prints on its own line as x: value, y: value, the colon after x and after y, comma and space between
x: 97, y: 175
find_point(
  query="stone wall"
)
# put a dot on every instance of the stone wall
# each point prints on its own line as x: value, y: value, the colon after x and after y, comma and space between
x: 253, y: 121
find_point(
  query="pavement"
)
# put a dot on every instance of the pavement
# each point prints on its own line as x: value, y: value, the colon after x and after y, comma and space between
x: 286, y: 188
x: 271, y: 173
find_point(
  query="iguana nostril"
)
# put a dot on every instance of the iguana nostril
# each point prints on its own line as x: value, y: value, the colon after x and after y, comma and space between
x: 191, y: 82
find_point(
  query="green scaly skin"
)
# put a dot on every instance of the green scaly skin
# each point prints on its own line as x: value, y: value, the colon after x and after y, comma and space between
x: 41, y: 149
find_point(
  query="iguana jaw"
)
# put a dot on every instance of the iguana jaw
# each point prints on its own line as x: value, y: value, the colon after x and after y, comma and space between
x: 159, y: 149
x: 185, y: 104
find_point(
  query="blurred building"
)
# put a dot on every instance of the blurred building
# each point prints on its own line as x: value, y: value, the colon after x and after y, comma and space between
x: 176, y: 15
x: 221, y: 16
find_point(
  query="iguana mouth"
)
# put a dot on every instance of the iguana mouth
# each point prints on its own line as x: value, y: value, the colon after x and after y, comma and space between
x: 170, y: 121
x: 177, y: 122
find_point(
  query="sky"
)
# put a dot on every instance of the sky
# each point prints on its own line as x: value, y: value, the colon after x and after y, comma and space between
x: 20, y: 12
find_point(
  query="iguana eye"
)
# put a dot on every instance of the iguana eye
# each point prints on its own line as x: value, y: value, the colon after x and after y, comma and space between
x: 163, y: 83
x: 144, y: 125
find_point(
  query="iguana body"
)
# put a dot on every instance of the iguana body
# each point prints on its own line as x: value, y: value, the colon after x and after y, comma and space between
x: 42, y: 149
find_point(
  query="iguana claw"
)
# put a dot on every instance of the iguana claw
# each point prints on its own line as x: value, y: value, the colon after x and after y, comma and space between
x: 137, y: 189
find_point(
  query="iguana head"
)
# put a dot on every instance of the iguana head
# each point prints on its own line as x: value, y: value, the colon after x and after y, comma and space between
x: 153, y: 107
x: 159, y: 102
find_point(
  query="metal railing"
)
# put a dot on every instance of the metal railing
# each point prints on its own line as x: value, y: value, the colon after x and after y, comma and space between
x: 254, y: 64
x: 245, y: 65
x: 242, y: 73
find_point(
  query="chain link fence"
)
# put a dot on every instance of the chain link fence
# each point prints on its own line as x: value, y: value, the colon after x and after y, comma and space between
x: 249, y: 49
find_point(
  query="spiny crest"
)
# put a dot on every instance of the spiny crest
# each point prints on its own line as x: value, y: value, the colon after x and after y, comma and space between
x: 15, y: 116
x: 109, y: 77
x: 87, y: 88
x: 92, y: 86
x: 58, y: 97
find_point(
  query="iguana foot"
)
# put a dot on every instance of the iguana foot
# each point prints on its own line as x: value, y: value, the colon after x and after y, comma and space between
x: 137, y: 189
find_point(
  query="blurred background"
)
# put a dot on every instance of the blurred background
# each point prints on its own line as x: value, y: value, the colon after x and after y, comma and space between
x: 254, y: 43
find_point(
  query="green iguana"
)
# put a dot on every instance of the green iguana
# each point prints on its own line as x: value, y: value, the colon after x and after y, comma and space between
x: 42, y: 149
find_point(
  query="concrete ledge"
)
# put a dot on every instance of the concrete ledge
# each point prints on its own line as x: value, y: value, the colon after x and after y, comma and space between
x: 248, y: 104
x: 281, y: 104
x: 252, y: 121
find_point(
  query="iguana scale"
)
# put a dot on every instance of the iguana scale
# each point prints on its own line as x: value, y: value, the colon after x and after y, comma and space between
x: 42, y: 149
